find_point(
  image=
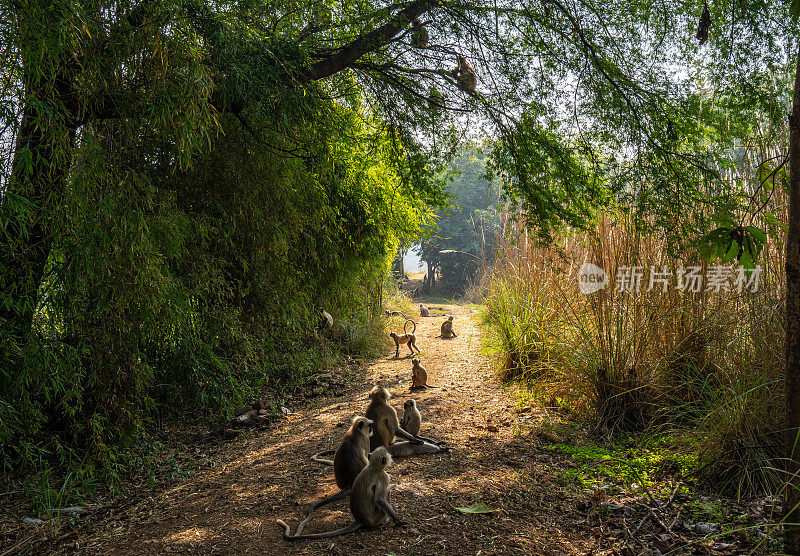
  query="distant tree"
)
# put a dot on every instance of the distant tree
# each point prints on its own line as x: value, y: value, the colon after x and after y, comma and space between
x: 464, y: 236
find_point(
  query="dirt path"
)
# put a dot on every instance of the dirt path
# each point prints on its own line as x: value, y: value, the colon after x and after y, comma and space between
x: 231, y: 508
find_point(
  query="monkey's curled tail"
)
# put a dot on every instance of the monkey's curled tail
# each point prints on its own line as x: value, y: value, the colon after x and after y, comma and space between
x: 405, y: 326
x: 336, y: 497
x: 317, y: 457
x: 352, y: 528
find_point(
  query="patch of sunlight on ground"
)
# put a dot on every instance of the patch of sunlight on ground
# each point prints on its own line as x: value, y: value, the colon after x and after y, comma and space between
x: 190, y: 535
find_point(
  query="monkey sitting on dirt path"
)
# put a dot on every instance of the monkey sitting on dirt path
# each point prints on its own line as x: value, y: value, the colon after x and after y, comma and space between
x: 369, y: 500
x: 387, y: 425
x: 350, y: 458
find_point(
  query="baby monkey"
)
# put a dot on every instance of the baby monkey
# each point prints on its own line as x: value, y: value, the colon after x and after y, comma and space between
x: 412, y: 419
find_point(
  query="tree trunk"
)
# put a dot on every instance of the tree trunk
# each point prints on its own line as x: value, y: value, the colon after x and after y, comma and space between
x: 792, y: 382
x: 41, y: 163
x: 429, y: 278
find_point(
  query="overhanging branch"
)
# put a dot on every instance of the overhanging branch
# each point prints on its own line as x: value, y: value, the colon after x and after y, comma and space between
x: 375, y: 39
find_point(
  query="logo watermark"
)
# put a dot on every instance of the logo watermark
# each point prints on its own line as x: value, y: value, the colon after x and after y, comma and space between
x: 591, y: 278
x: 716, y: 279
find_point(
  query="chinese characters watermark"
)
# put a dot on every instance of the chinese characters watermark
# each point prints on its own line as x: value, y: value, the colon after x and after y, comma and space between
x: 690, y: 279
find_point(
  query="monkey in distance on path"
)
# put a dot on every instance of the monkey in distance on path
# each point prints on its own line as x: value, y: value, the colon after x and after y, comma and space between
x: 424, y: 311
x: 447, y: 328
x: 419, y: 375
x: 369, y: 500
x: 350, y: 458
x: 409, y: 339
x: 387, y: 427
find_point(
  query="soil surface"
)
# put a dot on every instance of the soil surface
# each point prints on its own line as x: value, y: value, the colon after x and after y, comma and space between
x: 228, y: 504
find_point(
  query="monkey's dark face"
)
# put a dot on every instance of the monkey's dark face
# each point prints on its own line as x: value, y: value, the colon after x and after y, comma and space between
x: 415, y: 361
x: 364, y: 426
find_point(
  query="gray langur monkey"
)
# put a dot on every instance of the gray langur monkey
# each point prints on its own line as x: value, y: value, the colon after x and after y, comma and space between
x: 424, y: 311
x: 369, y: 500
x: 436, y: 101
x: 419, y: 34
x: 412, y: 419
x: 387, y: 427
x: 464, y: 74
x: 419, y: 375
x: 350, y: 458
x: 447, y: 328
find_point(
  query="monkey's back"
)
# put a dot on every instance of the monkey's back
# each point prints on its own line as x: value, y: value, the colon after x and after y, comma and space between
x: 419, y: 377
x: 386, y: 423
x: 371, y: 485
x: 350, y: 458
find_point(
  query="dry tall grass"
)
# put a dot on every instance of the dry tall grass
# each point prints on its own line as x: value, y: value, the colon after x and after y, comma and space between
x: 706, y: 367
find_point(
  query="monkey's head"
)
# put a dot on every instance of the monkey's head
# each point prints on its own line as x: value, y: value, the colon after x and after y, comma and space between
x: 362, y: 425
x: 393, y: 335
x: 380, y: 458
x: 410, y: 404
x: 450, y: 318
x: 415, y: 362
x: 379, y: 393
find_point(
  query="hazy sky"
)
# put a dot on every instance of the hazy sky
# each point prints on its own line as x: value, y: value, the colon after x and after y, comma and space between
x: 412, y: 262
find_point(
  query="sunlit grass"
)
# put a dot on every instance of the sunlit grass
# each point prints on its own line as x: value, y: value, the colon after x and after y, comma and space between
x: 704, y: 369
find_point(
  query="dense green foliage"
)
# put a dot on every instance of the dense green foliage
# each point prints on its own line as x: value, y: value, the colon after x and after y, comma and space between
x: 187, y: 248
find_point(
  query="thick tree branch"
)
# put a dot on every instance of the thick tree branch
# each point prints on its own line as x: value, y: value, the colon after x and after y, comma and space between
x: 375, y: 39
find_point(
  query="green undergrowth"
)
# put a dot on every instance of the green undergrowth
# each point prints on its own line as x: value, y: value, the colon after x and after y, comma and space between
x: 627, y: 467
